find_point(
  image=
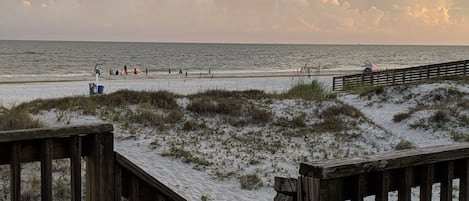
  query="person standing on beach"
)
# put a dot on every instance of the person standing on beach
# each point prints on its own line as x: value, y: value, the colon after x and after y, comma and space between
x: 125, y: 69
x: 169, y: 70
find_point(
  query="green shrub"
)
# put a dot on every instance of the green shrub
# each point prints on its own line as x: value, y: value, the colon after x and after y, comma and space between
x: 401, y: 116
x: 404, y: 144
x: 299, y: 121
x: 17, y: 118
x: 250, y: 182
x: 149, y: 118
x: 174, y: 116
x: 440, y: 116
x: 259, y: 115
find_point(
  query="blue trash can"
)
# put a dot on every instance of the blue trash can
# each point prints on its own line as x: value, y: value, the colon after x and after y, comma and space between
x: 100, y: 89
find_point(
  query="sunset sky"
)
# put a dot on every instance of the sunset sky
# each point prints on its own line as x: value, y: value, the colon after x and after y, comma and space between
x: 432, y: 22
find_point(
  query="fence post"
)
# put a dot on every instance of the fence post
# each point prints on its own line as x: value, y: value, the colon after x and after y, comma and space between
x: 464, y: 181
x: 100, y: 168
x: 15, y: 172
x: 75, y: 167
x: 465, y: 67
x: 46, y: 170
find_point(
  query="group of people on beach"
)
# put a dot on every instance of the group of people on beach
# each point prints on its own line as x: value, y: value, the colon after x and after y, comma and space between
x: 126, y: 71
x: 180, y: 72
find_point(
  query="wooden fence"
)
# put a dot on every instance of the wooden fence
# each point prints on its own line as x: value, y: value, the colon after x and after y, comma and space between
x: 109, y: 175
x: 401, y: 76
x: 377, y: 175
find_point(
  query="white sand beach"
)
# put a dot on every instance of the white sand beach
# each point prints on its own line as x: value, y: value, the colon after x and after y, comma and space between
x: 382, y: 134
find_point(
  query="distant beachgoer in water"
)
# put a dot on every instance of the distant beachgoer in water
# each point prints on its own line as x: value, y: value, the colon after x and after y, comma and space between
x: 135, y: 71
x: 209, y: 71
x: 186, y: 73
x: 125, y: 69
x: 117, y: 72
x: 146, y: 71
x: 169, y: 70
x: 180, y: 71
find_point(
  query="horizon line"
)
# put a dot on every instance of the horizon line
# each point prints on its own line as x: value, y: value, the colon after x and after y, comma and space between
x: 234, y: 43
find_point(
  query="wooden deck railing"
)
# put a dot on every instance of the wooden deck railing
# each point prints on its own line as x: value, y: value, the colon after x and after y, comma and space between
x: 109, y: 176
x: 401, y: 76
x: 400, y: 171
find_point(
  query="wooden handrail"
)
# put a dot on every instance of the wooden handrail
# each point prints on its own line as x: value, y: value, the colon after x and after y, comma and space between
x: 401, y: 76
x: 55, y: 132
x: 110, y: 176
x: 393, y: 160
x: 379, y: 174
x: 142, y: 181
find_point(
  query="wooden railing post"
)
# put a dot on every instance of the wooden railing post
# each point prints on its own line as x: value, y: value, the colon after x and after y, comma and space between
x: 75, y: 167
x: 405, y: 185
x: 383, y: 186
x: 427, y: 182
x: 447, y: 182
x: 464, y: 181
x: 465, y: 67
x: 46, y: 170
x: 15, y: 172
x: 100, y: 168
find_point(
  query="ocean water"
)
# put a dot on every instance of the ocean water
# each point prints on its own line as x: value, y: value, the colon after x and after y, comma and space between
x: 68, y: 59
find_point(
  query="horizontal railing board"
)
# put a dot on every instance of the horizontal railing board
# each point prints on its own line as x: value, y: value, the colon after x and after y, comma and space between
x: 146, y: 178
x: 386, y: 161
x: 56, y: 132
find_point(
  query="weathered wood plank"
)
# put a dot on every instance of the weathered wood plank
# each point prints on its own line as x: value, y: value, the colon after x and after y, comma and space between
x: 132, y: 169
x: 387, y: 161
x: 299, y: 187
x: 106, y: 141
x: 447, y: 182
x: 427, y: 182
x: 46, y: 170
x: 134, y: 189
x: 383, y: 186
x: 285, y: 185
x: 117, y: 182
x: 405, y: 186
x: 75, y: 167
x: 358, y: 188
x: 57, y: 132
x: 15, y: 172
x: 464, y: 181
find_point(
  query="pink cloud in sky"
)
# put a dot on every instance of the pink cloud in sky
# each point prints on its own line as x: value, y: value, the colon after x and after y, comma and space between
x: 253, y: 21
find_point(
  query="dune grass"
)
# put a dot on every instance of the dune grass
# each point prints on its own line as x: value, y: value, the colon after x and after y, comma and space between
x: 17, y: 118
x: 314, y: 91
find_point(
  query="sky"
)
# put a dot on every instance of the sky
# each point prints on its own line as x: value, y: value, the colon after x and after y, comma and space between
x: 421, y: 22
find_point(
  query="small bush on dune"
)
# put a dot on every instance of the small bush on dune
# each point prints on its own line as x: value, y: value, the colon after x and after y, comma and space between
x: 440, y: 116
x: 160, y: 99
x: 259, y: 115
x: 17, y: 118
x: 149, y: 118
x: 208, y: 106
x: 314, y: 91
x: 174, y: 116
x: 401, y: 116
x: 250, y: 182
x: 404, y: 144
x: 223, y: 94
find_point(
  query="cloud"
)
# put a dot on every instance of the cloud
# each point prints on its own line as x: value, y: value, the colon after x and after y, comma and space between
x: 27, y: 3
x: 313, y: 21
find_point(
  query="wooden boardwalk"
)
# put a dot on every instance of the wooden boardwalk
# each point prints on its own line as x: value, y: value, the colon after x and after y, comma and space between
x: 109, y: 175
x: 378, y: 175
x: 401, y: 76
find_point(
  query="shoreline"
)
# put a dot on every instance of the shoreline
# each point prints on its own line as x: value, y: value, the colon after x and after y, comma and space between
x: 173, y: 76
